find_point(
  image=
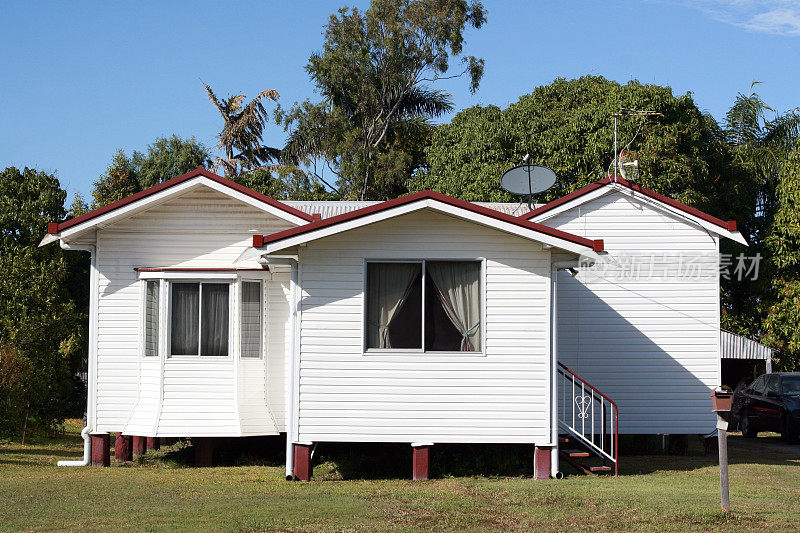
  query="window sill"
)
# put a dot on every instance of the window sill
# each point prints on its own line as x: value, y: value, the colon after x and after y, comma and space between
x: 420, y: 353
x: 190, y: 358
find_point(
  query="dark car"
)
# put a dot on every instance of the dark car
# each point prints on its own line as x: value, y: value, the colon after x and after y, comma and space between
x: 770, y: 403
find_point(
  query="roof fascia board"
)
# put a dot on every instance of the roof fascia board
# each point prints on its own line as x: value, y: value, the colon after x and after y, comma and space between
x: 436, y: 205
x: 642, y: 197
x: 164, y: 195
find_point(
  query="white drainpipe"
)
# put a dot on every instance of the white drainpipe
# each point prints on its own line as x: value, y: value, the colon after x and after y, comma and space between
x: 556, y: 266
x: 92, y: 351
x: 291, y: 363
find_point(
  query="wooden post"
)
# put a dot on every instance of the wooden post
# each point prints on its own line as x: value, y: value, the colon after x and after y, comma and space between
x: 722, y: 438
x: 123, y: 448
x: 153, y: 443
x: 303, y: 469
x: 138, y: 445
x: 541, y: 462
x: 203, y: 451
x: 421, y: 461
x: 101, y: 450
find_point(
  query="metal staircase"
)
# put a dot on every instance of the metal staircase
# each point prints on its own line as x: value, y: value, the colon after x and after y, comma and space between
x: 590, y: 422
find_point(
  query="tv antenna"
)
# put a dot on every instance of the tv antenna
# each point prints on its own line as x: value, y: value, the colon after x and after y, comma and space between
x: 624, y: 112
x: 527, y: 179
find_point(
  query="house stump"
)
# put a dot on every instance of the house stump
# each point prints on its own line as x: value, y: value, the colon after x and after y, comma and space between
x: 123, y: 448
x: 101, y: 449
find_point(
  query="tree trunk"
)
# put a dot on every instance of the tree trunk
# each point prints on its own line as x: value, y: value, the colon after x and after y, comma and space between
x: 25, y: 424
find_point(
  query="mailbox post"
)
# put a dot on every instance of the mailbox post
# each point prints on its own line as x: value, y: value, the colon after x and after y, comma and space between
x: 722, y: 401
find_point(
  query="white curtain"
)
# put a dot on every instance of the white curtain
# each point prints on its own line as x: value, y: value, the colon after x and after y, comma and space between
x: 388, y: 286
x: 458, y: 287
x: 251, y: 319
x: 215, y: 319
x: 151, y: 319
x: 185, y: 327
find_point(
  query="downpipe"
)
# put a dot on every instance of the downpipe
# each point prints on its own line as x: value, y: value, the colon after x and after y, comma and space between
x: 92, y: 359
x: 572, y: 266
x: 290, y: 407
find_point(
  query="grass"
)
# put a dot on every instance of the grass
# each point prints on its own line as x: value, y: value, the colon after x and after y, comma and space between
x: 656, y: 493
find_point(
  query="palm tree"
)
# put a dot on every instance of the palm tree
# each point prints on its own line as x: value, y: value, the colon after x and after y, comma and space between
x: 241, y: 135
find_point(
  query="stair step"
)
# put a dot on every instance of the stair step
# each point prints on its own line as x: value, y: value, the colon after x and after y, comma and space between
x: 600, y: 468
x: 576, y: 453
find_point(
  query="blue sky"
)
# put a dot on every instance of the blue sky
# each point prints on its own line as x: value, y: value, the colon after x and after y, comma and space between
x: 81, y: 79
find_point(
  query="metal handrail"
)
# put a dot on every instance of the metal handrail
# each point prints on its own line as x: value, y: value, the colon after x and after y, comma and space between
x: 606, y: 443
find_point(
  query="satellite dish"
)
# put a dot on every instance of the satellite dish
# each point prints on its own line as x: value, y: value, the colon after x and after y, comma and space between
x: 527, y: 179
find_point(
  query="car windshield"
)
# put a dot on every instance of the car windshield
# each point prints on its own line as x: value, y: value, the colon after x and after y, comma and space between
x: 790, y: 385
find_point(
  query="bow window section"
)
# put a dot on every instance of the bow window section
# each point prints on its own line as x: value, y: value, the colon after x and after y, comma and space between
x: 200, y: 319
x: 434, y: 306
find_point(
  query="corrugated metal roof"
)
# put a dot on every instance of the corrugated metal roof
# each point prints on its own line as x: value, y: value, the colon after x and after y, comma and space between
x: 327, y: 209
x: 734, y: 346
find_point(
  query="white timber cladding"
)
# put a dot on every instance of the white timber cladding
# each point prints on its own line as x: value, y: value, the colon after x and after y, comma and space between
x: 643, y: 326
x: 176, y: 396
x: 498, y: 395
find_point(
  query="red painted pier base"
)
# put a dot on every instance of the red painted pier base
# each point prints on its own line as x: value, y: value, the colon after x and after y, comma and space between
x: 138, y: 445
x: 153, y: 443
x: 101, y: 449
x: 203, y: 450
x: 123, y: 448
x: 541, y: 462
x: 302, y: 462
x: 421, y: 462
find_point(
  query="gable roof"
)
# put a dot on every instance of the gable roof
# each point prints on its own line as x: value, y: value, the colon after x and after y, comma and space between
x: 162, y: 190
x: 721, y: 227
x: 426, y: 199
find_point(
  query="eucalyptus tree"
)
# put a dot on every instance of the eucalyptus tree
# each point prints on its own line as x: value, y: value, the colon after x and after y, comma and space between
x: 376, y: 73
x: 242, y: 132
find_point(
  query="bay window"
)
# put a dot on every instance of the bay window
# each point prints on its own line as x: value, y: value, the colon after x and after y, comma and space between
x: 432, y: 306
x: 251, y: 319
x: 151, y: 317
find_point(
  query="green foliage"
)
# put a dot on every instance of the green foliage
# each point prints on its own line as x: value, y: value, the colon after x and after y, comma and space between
x: 242, y: 131
x: 38, y: 329
x: 166, y: 157
x: 567, y: 126
x: 372, y: 73
x: 289, y: 184
x: 781, y: 324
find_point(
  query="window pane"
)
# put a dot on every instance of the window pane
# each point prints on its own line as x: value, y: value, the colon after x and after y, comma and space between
x: 151, y: 319
x: 251, y: 319
x: 185, y: 308
x: 394, y: 302
x: 456, y: 285
x: 214, y: 327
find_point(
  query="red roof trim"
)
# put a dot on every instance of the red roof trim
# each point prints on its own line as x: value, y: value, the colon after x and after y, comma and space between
x: 729, y: 225
x: 199, y: 171
x: 198, y: 269
x: 425, y: 195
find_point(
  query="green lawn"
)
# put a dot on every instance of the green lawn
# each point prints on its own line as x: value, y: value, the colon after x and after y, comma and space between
x: 663, y: 493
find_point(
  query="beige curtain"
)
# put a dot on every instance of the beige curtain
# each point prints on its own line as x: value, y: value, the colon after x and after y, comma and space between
x: 458, y: 286
x: 388, y: 286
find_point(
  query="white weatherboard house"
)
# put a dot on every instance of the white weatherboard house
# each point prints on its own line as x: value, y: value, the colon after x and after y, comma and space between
x: 219, y: 312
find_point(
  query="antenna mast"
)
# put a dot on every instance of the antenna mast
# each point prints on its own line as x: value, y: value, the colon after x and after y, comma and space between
x: 624, y: 112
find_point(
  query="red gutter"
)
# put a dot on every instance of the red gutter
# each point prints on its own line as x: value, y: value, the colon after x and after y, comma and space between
x: 261, y: 240
x: 729, y: 225
x: 199, y: 171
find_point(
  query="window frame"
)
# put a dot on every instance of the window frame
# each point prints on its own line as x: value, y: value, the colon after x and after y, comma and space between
x: 262, y: 340
x: 231, y: 323
x: 422, y: 351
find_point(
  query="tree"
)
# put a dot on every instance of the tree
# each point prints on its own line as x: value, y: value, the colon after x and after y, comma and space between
x: 567, y: 126
x: 38, y: 325
x: 780, y: 326
x: 166, y: 158
x: 373, y: 73
x: 242, y: 131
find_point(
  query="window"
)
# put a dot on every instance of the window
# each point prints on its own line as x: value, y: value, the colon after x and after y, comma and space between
x: 251, y: 319
x: 434, y: 306
x: 200, y: 319
x: 758, y: 385
x: 151, y: 302
x: 772, y: 384
x: 790, y: 385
